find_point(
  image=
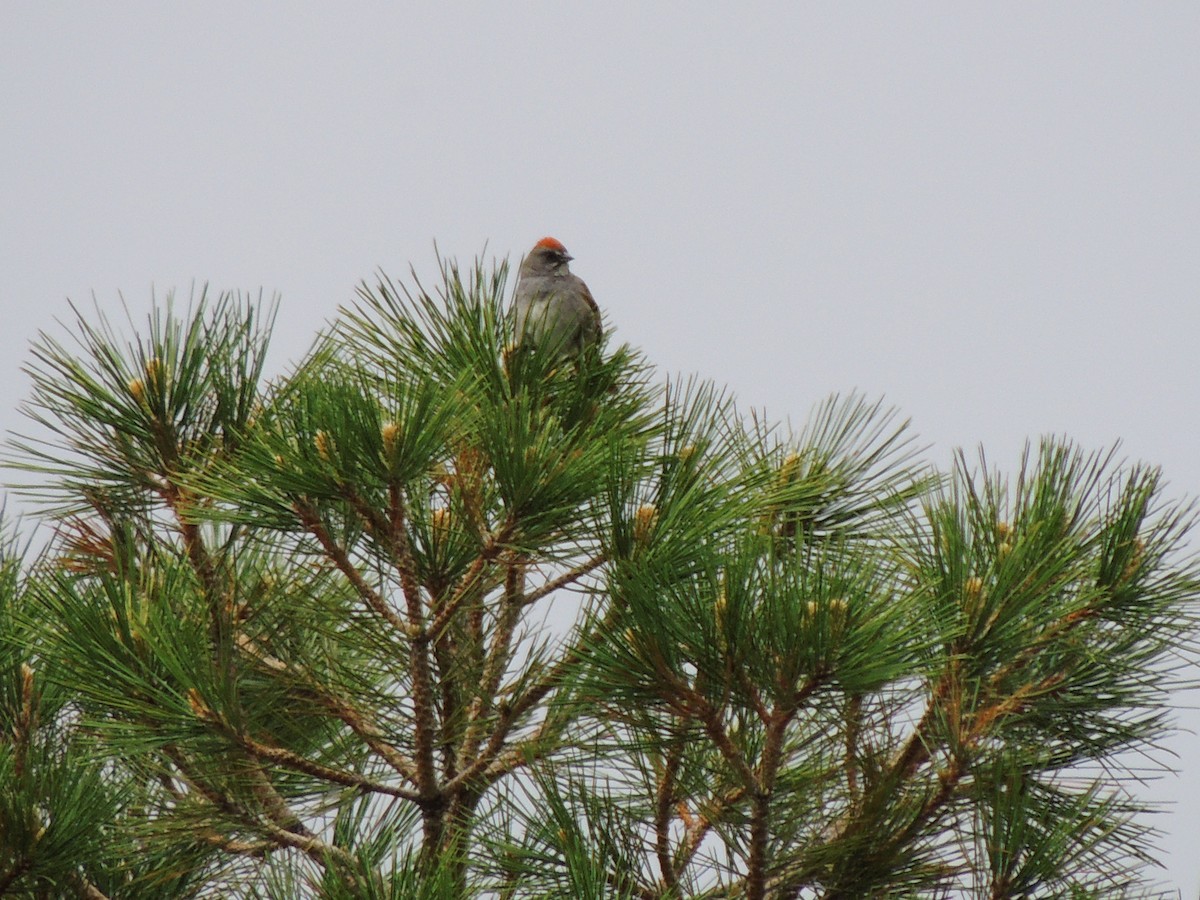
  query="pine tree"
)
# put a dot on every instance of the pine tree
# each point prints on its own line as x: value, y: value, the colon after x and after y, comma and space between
x: 433, y: 617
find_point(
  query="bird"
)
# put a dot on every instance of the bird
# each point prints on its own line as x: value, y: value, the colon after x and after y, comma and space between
x: 554, y: 311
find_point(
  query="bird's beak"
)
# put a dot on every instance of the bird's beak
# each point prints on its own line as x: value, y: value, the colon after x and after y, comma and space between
x: 567, y: 257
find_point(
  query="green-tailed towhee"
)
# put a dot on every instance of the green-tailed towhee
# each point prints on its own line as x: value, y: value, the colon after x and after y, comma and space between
x: 554, y: 310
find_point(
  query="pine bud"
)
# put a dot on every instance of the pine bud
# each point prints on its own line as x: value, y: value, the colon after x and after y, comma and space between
x: 839, y: 609
x: 154, y: 371
x: 390, y: 432
x: 644, y: 521
x: 720, y: 614
x: 439, y: 519
x: 787, y: 472
x: 28, y: 719
x: 196, y: 702
x: 322, y: 443
x: 1135, y: 561
x: 972, y: 595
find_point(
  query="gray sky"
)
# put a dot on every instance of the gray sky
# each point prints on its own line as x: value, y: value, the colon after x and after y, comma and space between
x: 989, y: 214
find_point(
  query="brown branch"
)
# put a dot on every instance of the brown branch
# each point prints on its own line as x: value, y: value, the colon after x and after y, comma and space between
x: 425, y: 731
x: 528, y: 749
x: 496, y: 660
x: 768, y: 770
x: 949, y: 779
x: 853, y: 727
x: 220, y: 603
x: 310, y: 520
x: 715, y: 730
x: 374, y: 522
x: 218, y: 598
x: 86, y: 890
x: 425, y: 774
x: 756, y: 864
x: 177, y: 500
x: 467, y: 583
x: 510, y: 713
x: 257, y: 849
x: 196, y: 783
x: 18, y: 868
x: 916, y: 749
x: 492, y: 548
x: 697, y: 827
x: 1055, y: 630
x: 197, y: 552
x: 405, y: 567
x: 283, y: 757
x: 273, y: 805
x: 309, y: 844
x: 971, y: 727
x: 446, y: 654
x: 254, y: 849
x: 662, y: 818
x: 369, y: 734
x: 752, y: 692
x: 313, y: 847
x: 25, y: 723
x: 566, y: 578
x: 491, y: 766
x: 983, y: 720
x: 476, y: 766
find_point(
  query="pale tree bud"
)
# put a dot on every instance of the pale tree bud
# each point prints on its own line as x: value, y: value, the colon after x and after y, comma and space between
x: 390, y: 432
x: 644, y: 521
x: 322, y: 443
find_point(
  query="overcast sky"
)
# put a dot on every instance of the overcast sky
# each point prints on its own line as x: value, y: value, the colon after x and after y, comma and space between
x: 988, y: 214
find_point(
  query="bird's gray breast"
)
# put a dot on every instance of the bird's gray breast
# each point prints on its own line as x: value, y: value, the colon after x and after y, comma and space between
x: 543, y: 308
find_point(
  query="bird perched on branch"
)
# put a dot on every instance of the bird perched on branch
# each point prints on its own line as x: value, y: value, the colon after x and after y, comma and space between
x: 554, y: 310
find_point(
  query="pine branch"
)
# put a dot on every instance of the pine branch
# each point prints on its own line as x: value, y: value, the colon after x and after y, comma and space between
x: 286, y: 758
x: 426, y: 731
x: 316, y: 849
x: 369, y: 734
x: 566, y: 578
x: 662, y: 819
x: 470, y: 581
x: 689, y: 703
x: 85, y: 889
x: 853, y: 729
x: 13, y: 872
x: 768, y: 769
x: 312, y: 523
x: 699, y: 825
